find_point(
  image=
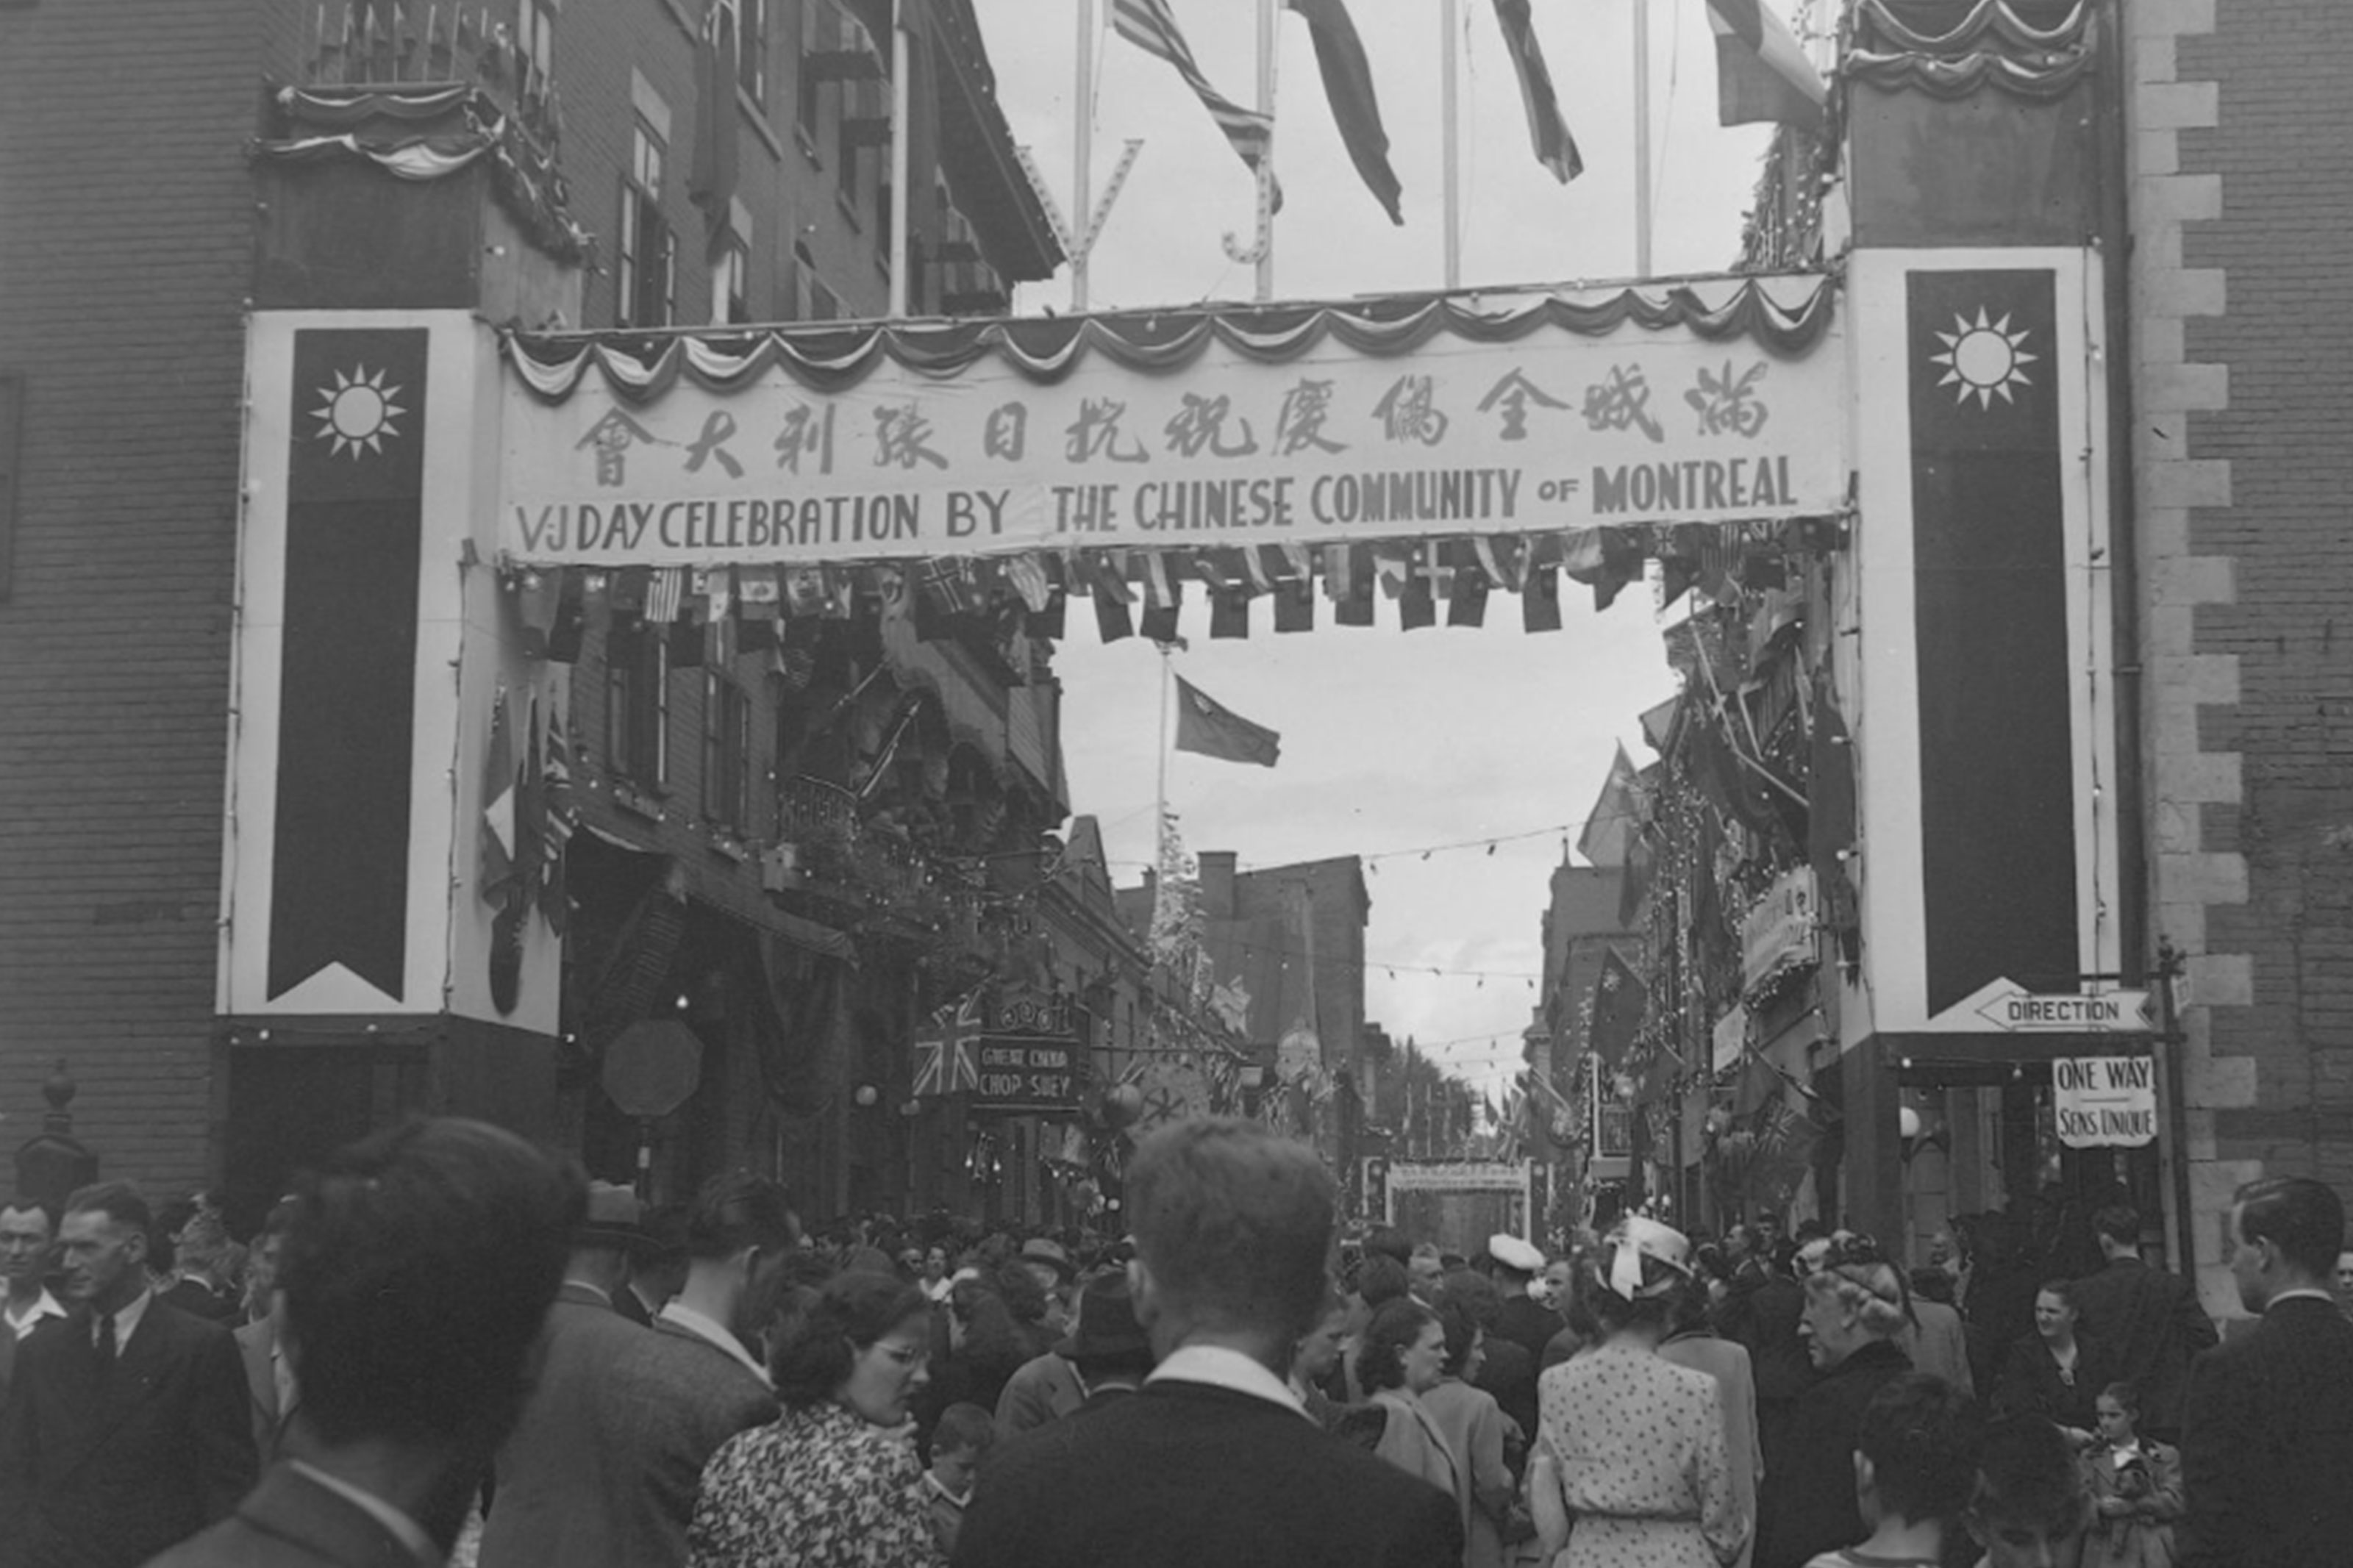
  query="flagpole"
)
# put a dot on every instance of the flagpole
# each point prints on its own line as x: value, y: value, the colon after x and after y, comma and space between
x: 1266, y: 107
x: 1160, y: 808
x: 904, y: 95
x: 1449, y: 19
x: 1641, y: 137
x: 1082, y: 155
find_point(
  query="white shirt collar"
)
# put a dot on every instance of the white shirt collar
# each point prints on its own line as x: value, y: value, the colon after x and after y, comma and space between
x: 46, y: 1307
x: 2314, y: 1291
x: 404, y: 1530
x: 702, y: 1327
x: 126, y: 1322
x: 1219, y: 1367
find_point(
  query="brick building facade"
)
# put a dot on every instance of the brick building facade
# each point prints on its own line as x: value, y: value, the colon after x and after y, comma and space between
x: 162, y: 176
x: 2242, y: 359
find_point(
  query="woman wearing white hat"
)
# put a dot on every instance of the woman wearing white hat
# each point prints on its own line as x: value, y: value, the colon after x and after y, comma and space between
x: 1631, y: 1444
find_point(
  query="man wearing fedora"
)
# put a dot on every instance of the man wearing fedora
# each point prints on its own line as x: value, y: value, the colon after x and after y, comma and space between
x: 603, y: 1466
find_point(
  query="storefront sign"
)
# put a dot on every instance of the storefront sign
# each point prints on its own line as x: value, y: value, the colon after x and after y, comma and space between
x: 2104, y: 1102
x: 1245, y: 443
x: 1474, y: 1177
x: 2068, y: 1013
x: 1778, y: 932
x: 1026, y: 1072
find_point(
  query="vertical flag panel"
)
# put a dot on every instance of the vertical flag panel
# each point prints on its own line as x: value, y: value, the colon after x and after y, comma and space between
x: 1998, y: 816
x: 355, y: 517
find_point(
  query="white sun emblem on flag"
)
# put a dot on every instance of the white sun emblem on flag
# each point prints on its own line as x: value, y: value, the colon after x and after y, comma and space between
x: 1983, y: 357
x: 358, y: 412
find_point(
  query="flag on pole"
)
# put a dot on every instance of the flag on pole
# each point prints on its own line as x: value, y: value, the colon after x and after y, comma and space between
x: 1761, y: 71
x: 710, y: 182
x: 1152, y: 27
x: 1205, y: 726
x: 1611, y: 828
x: 1349, y: 84
x: 1556, y: 149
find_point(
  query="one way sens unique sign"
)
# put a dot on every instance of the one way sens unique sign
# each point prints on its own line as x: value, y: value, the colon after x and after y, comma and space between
x: 2102, y: 1102
x: 2019, y: 1011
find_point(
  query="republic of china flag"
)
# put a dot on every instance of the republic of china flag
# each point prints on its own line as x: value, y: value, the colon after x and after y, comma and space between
x: 1209, y: 728
x: 1997, y: 745
x: 354, y: 526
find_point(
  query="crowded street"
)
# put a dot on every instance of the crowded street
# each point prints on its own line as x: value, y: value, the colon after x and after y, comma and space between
x: 1139, y: 783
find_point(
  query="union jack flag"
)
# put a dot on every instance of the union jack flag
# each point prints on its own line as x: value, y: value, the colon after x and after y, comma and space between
x: 944, y: 1062
x: 1152, y: 26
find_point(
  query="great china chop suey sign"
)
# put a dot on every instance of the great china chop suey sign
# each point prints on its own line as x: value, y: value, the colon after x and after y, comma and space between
x: 1294, y: 427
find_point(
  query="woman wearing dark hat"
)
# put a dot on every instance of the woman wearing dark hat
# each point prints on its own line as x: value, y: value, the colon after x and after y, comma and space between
x: 1632, y: 1444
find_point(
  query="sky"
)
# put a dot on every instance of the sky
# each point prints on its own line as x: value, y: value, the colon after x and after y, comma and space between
x: 1392, y: 742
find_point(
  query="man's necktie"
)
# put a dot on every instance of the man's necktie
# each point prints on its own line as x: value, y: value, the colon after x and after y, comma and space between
x: 106, y: 1345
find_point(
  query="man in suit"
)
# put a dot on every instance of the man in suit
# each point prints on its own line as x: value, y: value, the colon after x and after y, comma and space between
x: 2149, y: 1321
x: 1214, y: 1461
x: 25, y: 1233
x: 124, y: 1430
x: 417, y: 1268
x: 2267, y: 1439
x: 271, y: 1396
x: 603, y: 1469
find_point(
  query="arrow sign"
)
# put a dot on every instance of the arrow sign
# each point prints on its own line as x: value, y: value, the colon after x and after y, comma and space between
x: 2019, y: 1011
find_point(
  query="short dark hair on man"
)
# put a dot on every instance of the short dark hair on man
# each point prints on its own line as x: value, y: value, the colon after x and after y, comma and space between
x: 2119, y: 1223
x: 1381, y: 1280
x: 2062, y: 1289
x: 813, y: 1355
x: 737, y: 1209
x: 1920, y: 1434
x: 2026, y: 1475
x: 1380, y: 1361
x: 964, y: 1430
x: 1234, y: 1222
x: 1388, y: 1241
x: 2127, y: 1393
x: 417, y: 1273
x: 23, y: 1205
x: 2303, y: 1218
x: 123, y: 1204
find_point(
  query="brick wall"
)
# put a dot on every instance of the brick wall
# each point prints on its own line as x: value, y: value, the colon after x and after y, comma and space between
x: 124, y: 255
x: 2243, y: 359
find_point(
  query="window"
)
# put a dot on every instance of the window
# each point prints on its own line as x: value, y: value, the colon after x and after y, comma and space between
x: 752, y: 50
x: 649, y: 251
x: 820, y: 38
x: 636, y: 704
x: 731, y: 274
x: 726, y: 751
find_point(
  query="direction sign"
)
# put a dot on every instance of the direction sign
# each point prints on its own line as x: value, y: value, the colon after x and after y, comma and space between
x: 2023, y: 1012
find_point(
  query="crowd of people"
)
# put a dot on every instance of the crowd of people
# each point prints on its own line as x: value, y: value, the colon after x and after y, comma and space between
x: 446, y: 1346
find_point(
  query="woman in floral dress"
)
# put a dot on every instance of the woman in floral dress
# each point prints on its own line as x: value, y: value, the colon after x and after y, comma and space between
x: 1632, y: 1446
x: 833, y: 1482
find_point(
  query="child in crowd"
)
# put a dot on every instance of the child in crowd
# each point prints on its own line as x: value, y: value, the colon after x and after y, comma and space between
x: 2136, y: 1485
x: 959, y: 1443
x: 1915, y: 1470
x: 2030, y: 1509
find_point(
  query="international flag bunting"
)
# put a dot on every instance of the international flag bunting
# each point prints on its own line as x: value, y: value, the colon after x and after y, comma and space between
x: 1620, y: 1000
x: 1556, y: 149
x: 1208, y: 727
x: 1152, y: 27
x: 1761, y: 71
x: 1348, y: 85
x: 497, y: 840
x: 1611, y: 826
